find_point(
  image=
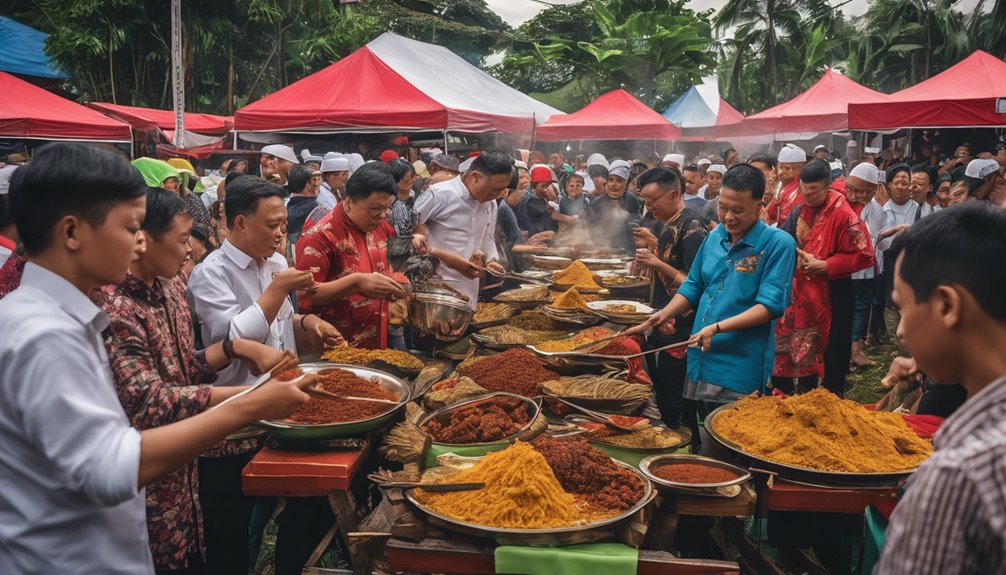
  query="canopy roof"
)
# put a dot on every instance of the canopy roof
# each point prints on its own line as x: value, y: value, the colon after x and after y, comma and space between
x: 149, y: 118
x: 395, y: 84
x: 701, y: 113
x: 27, y: 111
x: 963, y: 95
x: 22, y: 51
x: 616, y: 115
x: 822, y: 108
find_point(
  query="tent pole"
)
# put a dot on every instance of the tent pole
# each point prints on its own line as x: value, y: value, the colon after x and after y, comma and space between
x: 445, y: 141
x: 534, y: 131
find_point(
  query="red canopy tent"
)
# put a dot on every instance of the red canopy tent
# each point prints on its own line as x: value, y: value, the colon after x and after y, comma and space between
x: 961, y: 96
x: 395, y: 84
x: 616, y: 115
x: 149, y: 119
x: 822, y: 108
x: 27, y: 111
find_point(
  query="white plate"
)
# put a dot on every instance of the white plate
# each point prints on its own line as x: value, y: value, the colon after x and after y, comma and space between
x: 599, y: 306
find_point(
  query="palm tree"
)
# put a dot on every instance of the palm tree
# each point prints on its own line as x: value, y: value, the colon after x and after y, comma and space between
x: 774, y: 50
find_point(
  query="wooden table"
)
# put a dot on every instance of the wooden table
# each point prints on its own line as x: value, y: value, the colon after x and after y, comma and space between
x: 470, y: 558
x: 281, y: 473
x: 783, y: 495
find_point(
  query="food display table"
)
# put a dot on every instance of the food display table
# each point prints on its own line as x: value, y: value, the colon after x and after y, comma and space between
x: 443, y: 556
x: 329, y: 473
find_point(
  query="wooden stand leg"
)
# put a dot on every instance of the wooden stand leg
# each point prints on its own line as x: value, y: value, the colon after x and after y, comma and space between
x: 342, y: 506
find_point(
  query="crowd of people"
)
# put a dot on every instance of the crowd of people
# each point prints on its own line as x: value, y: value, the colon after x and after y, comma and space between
x: 145, y: 297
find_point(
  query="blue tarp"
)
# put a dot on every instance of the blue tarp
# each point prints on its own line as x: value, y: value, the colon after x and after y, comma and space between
x: 22, y: 51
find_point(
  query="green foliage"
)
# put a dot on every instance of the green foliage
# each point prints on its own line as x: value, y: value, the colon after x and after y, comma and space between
x: 651, y: 48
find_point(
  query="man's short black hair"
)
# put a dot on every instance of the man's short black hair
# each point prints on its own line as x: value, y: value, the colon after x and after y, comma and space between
x: 399, y: 169
x: 745, y: 178
x: 957, y: 246
x: 370, y: 178
x: 162, y: 207
x: 68, y: 179
x: 492, y: 163
x: 763, y: 159
x: 244, y: 193
x: 931, y: 171
x: 597, y: 171
x: 6, y: 217
x: 690, y: 168
x: 514, y: 179
x: 667, y: 179
x: 897, y: 169
x: 816, y: 171
x: 297, y: 178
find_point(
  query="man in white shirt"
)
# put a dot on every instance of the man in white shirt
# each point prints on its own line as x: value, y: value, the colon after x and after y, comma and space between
x: 899, y: 213
x: 457, y: 220
x: 334, y: 174
x: 242, y: 290
x: 73, y: 469
x: 861, y: 185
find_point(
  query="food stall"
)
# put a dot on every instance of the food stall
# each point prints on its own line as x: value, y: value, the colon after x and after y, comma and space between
x: 543, y: 444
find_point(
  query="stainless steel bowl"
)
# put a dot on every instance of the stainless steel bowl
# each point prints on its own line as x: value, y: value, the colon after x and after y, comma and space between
x: 444, y: 317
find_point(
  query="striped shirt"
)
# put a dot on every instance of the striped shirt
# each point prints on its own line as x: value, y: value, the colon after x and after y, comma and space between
x: 953, y: 517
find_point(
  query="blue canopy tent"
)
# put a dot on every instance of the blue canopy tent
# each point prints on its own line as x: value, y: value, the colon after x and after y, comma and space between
x: 22, y: 51
x: 700, y: 111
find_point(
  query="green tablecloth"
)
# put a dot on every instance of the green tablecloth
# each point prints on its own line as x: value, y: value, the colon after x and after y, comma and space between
x: 585, y: 559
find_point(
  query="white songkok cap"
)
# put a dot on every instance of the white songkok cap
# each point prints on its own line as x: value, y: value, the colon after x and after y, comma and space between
x: 718, y: 168
x: 678, y: 159
x: 703, y: 162
x: 867, y: 172
x: 339, y: 164
x: 791, y: 154
x: 981, y: 168
x: 467, y: 164
x: 620, y: 168
x: 597, y: 160
x: 282, y: 152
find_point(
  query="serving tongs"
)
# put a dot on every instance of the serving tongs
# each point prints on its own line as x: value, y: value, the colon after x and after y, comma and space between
x: 597, y: 416
x: 382, y: 481
x: 320, y: 392
x: 518, y: 277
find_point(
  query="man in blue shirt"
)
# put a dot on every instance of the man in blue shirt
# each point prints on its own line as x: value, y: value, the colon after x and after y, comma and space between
x: 739, y: 284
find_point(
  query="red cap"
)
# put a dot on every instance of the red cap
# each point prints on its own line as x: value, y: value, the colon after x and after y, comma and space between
x: 541, y: 174
x: 474, y: 154
x: 388, y: 156
x: 401, y: 141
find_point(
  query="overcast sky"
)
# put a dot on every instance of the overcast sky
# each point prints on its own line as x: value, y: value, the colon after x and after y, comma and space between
x: 517, y: 11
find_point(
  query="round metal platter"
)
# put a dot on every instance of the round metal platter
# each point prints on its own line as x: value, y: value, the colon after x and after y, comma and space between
x: 533, y: 409
x: 556, y: 535
x: 807, y: 474
x: 345, y: 428
x: 707, y: 489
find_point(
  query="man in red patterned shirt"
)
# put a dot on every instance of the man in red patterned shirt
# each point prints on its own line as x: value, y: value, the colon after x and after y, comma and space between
x: 347, y: 252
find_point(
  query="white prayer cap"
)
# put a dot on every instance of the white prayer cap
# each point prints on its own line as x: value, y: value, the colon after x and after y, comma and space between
x: 703, y: 162
x: 315, y: 159
x: 355, y: 161
x: 620, y: 168
x: 678, y: 159
x: 305, y: 153
x: 820, y: 147
x: 718, y: 168
x: 467, y: 164
x: 981, y: 168
x: 332, y: 155
x: 282, y: 152
x: 520, y: 164
x: 339, y: 164
x: 867, y: 172
x: 791, y: 154
x: 597, y: 160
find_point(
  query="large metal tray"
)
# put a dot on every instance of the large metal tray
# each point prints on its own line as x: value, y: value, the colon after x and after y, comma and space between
x: 348, y: 428
x: 533, y: 409
x: 807, y: 474
x: 594, y: 531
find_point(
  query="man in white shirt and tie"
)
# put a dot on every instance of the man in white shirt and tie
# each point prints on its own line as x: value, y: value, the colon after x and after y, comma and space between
x: 73, y: 469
